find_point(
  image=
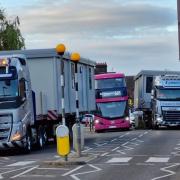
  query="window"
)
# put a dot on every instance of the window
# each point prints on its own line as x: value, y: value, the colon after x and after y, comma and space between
x: 22, y: 89
x: 90, y: 79
x: 149, y: 83
x: 110, y: 83
x: 73, y: 75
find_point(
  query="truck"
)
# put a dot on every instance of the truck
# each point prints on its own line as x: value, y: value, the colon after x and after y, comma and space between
x: 147, y: 84
x: 30, y: 95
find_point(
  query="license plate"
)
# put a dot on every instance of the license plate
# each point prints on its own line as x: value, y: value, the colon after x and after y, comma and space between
x: 112, y: 126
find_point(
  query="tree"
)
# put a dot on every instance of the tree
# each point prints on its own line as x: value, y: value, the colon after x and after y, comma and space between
x: 10, y: 34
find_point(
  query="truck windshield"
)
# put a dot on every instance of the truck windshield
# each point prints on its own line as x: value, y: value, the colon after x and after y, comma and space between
x: 109, y: 83
x: 8, y: 88
x: 172, y: 94
x: 111, y: 110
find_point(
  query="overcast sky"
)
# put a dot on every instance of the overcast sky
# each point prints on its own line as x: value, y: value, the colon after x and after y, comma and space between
x: 130, y: 35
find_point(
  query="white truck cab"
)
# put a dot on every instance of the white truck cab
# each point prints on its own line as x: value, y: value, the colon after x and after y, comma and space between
x: 16, y: 106
x: 166, y: 101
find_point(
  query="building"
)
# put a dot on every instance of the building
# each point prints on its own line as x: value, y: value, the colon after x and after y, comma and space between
x: 178, y: 10
x: 101, y: 68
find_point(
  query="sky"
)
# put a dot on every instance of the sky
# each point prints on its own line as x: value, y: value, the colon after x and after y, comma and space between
x: 129, y: 35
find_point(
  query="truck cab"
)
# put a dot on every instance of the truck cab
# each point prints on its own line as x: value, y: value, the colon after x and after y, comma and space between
x: 16, y: 106
x: 166, y: 101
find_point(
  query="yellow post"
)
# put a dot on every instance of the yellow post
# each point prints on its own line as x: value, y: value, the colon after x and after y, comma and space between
x: 63, y: 146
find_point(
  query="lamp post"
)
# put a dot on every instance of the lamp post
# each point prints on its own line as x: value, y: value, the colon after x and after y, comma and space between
x: 60, y: 49
x: 75, y: 57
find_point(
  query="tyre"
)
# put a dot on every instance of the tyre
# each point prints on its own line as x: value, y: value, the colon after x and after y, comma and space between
x: 28, y: 145
x: 42, y: 138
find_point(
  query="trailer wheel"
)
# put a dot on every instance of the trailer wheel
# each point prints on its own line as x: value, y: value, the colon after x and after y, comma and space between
x: 28, y: 146
x: 42, y: 138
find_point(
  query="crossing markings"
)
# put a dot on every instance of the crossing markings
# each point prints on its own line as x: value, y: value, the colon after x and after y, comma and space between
x: 20, y: 174
x: 119, y: 160
x: 147, y: 160
x: 166, y: 170
x: 115, y: 149
x: 22, y: 163
x: 158, y: 159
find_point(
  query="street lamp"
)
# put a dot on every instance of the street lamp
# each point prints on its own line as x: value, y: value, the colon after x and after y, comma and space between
x: 75, y: 57
x: 60, y: 49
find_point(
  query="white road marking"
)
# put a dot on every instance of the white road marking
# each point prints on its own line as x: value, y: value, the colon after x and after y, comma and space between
x: 74, y: 176
x: 122, y: 152
x: 119, y: 160
x: 53, y: 169
x: 134, y: 143
x: 10, y: 171
x: 176, y: 153
x: 121, y: 136
x: 158, y: 159
x: 177, y: 148
x: 90, y: 159
x: 20, y: 174
x: 36, y: 175
x: 141, y: 135
x: 145, y: 132
x: 115, y: 149
x: 113, y: 140
x: 125, y: 143
x: 22, y: 163
x: 5, y: 158
x: 100, y: 144
x: 139, y: 140
x: 128, y: 148
x: 87, y: 150
x: 122, y: 164
x: 104, y: 154
x: 144, y: 164
x: 133, y: 139
x: 69, y: 172
x: 164, y: 169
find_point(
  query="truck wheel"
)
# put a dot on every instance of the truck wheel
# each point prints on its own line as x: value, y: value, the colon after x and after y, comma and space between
x: 155, y: 126
x: 28, y: 146
x: 42, y: 138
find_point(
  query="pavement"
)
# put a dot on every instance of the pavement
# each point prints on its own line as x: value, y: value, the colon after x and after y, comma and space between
x: 73, y: 158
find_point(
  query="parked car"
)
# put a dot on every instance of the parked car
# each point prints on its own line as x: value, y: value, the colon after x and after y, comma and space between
x: 87, y: 118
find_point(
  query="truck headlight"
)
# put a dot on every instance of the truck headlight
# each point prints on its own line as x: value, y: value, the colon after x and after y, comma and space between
x: 17, y: 132
x: 16, y: 137
x: 159, y: 119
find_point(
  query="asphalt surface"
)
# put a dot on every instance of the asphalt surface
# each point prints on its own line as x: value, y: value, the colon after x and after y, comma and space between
x: 124, y: 155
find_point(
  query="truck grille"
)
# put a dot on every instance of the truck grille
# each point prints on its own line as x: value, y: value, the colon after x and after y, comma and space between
x: 5, y: 127
x: 171, y: 115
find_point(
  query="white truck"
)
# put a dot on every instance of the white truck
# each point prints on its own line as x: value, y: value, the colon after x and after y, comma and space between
x: 166, y: 101
x: 30, y: 95
x: 156, y: 110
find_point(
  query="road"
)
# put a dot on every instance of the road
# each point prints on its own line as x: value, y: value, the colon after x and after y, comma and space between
x: 124, y: 155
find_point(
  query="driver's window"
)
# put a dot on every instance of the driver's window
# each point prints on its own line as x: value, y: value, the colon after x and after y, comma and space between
x: 22, y: 88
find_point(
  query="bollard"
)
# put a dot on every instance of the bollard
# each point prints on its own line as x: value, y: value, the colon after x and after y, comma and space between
x: 75, y: 140
x: 63, y: 146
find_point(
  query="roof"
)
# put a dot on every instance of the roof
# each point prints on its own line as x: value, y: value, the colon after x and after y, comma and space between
x: 154, y: 73
x: 45, y: 53
x: 109, y: 75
